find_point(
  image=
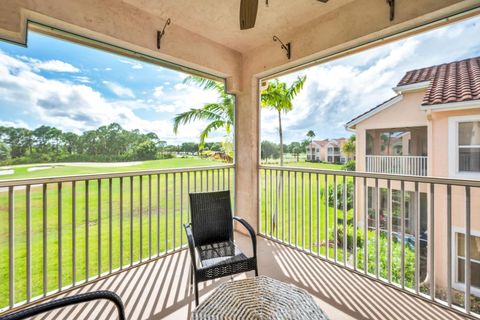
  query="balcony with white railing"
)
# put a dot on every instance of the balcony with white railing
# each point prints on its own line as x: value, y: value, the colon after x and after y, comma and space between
x: 403, y: 165
x: 416, y: 228
x: 123, y: 232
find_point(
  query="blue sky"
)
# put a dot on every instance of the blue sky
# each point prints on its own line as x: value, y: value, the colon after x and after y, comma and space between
x: 337, y: 91
x: 76, y: 88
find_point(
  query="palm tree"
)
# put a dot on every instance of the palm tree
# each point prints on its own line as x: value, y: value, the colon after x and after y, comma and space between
x: 279, y: 97
x: 310, y: 135
x: 218, y: 114
x: 349, y: 147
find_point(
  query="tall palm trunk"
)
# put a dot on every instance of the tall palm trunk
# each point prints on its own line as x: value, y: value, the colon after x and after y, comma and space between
x: 279, y: 179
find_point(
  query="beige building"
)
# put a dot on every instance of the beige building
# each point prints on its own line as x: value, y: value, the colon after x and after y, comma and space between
x: 327, y: 150
x: 430, y: 128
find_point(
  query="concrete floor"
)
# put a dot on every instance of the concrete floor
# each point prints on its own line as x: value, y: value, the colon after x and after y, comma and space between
x: 160, y: 289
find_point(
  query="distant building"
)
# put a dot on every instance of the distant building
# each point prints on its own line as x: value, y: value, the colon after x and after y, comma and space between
x: 327, y: 150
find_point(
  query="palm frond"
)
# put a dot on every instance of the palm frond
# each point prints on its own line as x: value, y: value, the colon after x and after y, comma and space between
x: 212, y: 126
x: 195, y: 114
x: 296, y: 87
x: 204, y: 83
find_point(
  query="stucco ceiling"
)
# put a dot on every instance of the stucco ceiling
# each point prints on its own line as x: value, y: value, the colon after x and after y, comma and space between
x: 218, y: 20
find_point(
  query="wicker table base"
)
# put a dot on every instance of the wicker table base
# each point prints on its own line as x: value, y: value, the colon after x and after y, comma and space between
x: 258, y: 298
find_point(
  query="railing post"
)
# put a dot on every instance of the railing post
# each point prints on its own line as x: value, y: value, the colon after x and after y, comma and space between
x: 11, y: 248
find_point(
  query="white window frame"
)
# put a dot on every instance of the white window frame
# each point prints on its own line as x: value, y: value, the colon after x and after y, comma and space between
x: 455, y: 284
x: 453, y: 147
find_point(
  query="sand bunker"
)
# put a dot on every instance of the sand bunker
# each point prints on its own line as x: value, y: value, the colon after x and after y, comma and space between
x: 6, y: 172
x: 37, y: 169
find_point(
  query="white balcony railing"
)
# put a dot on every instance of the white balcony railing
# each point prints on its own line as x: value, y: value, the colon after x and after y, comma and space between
x: 402, y: 231
x: 404, y: 165
x: 59, y: 233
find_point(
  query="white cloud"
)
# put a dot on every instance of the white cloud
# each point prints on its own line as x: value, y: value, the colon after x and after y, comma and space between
x: 78, y: 107
x: 133, y: 64
x: 158, y: 92
x: 57, y: 66
x: 180, y: 86
x: 337, y: 91
x: 82, y: 79
x: 16, y: 124
x: 50, y: 65
x: 119, y: 90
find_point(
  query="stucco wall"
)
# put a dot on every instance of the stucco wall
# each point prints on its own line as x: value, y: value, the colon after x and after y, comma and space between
x: 407, y: 113
x: 439, y: 139
x: 403, y: 114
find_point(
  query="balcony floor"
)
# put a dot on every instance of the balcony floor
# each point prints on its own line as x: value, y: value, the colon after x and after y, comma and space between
x: 160, y: 290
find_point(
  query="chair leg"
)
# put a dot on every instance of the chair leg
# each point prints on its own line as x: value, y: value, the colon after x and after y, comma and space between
x: 196, y: 293
x: 256, y: 271
x: 191, y: 276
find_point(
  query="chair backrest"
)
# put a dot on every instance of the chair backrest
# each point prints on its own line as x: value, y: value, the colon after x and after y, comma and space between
x: 68, y: 301
x: 211, y: 215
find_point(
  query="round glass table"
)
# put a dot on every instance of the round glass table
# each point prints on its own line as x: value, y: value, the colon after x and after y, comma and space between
x: 258, y: 298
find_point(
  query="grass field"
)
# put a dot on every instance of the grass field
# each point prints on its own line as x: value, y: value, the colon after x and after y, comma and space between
x: 58, y: 170
x: 87, y: 227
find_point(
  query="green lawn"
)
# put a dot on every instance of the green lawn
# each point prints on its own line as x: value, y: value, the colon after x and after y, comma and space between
x: 169, y: 210
x: 315, y: 165
x: 299, y: 211
x: 66, y: 170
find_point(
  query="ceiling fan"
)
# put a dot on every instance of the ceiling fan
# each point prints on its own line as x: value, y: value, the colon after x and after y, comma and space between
x: 248, y: 13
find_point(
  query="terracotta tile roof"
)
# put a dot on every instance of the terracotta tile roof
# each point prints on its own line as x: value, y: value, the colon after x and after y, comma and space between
x: 324, y: 142
x: 321, y: 143
x: 456, y: 81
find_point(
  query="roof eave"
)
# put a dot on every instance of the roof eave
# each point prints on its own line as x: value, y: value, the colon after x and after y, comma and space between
x: 412, y: 87
x: 470, y: 104
x: 351, y: 126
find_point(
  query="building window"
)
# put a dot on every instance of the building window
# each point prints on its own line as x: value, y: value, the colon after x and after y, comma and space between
x: 460, y: 261
x: 469, y: 146
x: 464, y: 146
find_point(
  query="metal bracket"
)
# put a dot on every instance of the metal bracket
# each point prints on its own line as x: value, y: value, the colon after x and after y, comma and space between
x: 287, y: 47
x: 160, y: 34
x: 391, y: 3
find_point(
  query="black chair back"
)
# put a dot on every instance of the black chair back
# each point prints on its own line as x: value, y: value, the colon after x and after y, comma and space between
x: 211, y: 216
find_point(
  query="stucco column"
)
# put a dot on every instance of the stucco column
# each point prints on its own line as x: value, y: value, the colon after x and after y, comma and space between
x: 377, y: 142
x: 247, y: 150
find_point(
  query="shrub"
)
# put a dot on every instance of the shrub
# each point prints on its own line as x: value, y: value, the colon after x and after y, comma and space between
x: 167, y: 155
x: 331, y: 194
x: 349, y: 236
x: 383, y: 258
x: 349, y: 165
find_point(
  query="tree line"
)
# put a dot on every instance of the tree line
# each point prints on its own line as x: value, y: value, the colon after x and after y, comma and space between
x: 272, y: 150
x: 108, y: 143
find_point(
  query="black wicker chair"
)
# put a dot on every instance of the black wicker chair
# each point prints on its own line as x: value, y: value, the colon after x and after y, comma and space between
x: 210, y: 239
x: 68, y: 301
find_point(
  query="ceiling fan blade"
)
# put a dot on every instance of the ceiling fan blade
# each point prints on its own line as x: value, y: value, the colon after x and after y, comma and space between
x: 248, y: 13
x: 324, y: 1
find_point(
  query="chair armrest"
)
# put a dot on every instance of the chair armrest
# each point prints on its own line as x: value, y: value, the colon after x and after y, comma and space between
x: 191, y: 243
x: 68, y: 301
x: 250, y: 230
